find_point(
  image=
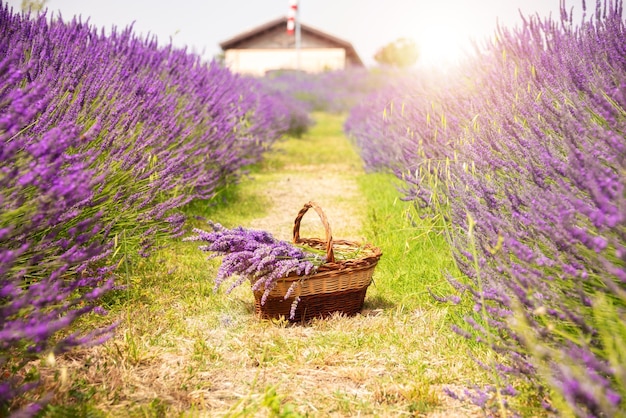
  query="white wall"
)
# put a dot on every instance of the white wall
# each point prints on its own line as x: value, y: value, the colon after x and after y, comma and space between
x: 258, y: 61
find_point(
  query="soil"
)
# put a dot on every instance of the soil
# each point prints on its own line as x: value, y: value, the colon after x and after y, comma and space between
x: 329, y: 186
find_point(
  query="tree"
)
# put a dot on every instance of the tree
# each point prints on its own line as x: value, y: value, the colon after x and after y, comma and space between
x: 34, y: 6
x: 401, y: 53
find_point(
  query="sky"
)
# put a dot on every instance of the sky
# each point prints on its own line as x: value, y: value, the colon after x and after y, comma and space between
x: 442, y: 29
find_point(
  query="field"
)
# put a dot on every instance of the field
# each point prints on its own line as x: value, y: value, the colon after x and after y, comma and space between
x: 183, y: 349
x: 496, y: 191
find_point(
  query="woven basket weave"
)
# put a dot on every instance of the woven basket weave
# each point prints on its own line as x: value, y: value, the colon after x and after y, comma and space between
x: 337, y: 286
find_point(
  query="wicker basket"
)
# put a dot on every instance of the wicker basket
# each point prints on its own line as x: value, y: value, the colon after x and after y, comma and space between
x: 337, y: 286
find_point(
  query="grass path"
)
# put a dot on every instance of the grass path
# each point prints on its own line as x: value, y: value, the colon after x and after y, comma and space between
x: 182, y: 349
x: 323, y: 167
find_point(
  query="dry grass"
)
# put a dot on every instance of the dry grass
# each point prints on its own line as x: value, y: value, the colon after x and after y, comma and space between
x: 389, y: 363
x: 335, y: 190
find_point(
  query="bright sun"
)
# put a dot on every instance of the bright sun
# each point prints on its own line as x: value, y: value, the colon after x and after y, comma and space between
x: 441, y: 47
x: 445, y: 38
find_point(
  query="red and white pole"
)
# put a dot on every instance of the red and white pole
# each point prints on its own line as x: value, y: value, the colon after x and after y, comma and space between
x: 291, y: 16
x: 293, y: 27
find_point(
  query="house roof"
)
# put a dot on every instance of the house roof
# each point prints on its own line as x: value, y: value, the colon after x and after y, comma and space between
x: 239, y: 41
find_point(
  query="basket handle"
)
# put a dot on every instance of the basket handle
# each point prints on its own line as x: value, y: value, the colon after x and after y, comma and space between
x: 330, y: 255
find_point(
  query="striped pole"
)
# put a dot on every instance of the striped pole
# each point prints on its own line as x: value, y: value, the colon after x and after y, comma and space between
x: 291, y: 16
x: 293, y: 26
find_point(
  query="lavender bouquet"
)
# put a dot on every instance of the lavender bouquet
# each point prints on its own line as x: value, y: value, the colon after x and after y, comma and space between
x: 258, y: 257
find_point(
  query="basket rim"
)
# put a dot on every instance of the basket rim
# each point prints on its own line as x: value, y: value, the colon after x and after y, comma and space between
x: 371, y: 256
x: 328, y: 243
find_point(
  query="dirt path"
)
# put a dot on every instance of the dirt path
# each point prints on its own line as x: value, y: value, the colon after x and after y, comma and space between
x: 307, y: 169
x: 329, y: 186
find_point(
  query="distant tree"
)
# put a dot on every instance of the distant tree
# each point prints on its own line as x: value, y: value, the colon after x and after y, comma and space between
x: 401, y: 53
x: 33, y: 6
x: 220, y: 58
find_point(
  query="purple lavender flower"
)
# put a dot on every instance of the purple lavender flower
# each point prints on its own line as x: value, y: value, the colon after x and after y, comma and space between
x: 255, y: 256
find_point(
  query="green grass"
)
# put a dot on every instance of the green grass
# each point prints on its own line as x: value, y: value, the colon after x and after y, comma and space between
x: 324, y: 145
x: 182, y: 349
x: 417, y: 257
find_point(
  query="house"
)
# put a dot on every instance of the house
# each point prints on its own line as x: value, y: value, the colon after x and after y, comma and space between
x: 269, y: 48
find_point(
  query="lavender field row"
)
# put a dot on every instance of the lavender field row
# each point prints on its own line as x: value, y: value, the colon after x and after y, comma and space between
x: 103, y: 139
x: 522, y: 154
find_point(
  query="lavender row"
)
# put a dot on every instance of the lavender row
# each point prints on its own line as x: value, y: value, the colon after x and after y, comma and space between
x: 330, y: 91
x: 524, y: 153
x: 103, y: 139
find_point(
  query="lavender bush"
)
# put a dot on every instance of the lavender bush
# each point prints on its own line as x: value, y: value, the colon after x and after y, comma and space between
x: 48, y: 276
x: 331, y: 91
x: 524, y: 155
x: 104, y: 138
x: 281, y: 106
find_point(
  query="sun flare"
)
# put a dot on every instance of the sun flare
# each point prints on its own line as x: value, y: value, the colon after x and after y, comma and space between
x: 444, y: 36
x: 441, y: 47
